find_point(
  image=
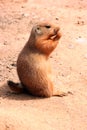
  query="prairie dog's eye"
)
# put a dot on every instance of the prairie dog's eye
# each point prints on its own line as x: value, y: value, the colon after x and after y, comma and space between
x: 48, y: 26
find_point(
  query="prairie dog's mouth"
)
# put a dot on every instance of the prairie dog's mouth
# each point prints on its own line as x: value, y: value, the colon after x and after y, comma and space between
x: 56, y: 36
x: 53, y: 36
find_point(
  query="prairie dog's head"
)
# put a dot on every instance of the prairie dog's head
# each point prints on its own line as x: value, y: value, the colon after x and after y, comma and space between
x: 46, y: 31
x: 45, y: 36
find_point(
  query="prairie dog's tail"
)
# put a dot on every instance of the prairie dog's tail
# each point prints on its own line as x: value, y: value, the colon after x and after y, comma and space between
x: 15, y: 87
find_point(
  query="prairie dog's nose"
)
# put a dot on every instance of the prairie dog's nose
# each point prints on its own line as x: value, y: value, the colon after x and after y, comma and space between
x: 56, y: 30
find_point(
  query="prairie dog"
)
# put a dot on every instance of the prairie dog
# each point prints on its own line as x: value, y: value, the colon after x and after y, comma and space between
x: 33, y: 67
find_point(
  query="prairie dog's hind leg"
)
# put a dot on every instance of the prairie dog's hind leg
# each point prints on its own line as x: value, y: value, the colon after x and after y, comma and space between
x: 15, y: 87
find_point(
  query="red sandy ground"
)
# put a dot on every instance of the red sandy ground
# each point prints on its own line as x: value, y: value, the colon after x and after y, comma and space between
x: 69, y: 62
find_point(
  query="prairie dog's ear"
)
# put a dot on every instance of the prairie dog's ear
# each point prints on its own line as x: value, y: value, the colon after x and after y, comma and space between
x: 38, y: 30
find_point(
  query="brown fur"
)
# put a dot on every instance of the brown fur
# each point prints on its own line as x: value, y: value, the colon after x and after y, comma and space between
x: 33, y: 67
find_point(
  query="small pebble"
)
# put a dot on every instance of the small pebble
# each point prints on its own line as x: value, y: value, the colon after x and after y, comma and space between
x: 25, y: 15
x: 13, y: 64
x: 5, y: 43
x: 57, y: 18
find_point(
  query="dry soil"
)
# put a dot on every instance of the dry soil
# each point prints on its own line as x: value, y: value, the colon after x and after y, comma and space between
x: 69, y: 62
